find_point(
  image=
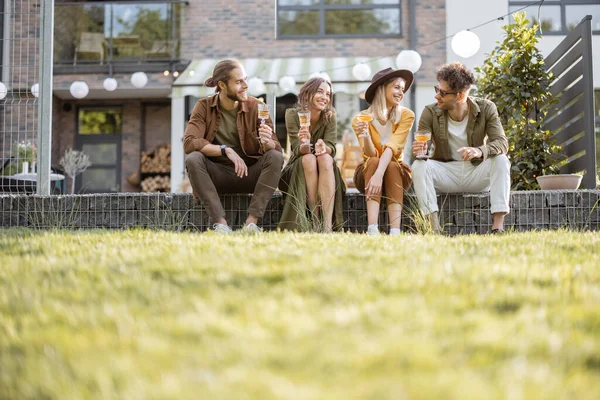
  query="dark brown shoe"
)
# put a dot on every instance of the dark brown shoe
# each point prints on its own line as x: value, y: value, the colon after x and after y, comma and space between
x: 497, y: 232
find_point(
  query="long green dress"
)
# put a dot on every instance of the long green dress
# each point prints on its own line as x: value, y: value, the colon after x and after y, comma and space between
x: 293, y: 184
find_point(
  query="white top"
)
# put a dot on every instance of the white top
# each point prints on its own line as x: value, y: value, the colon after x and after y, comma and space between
x: 385, y: 131
x: 457, y: 136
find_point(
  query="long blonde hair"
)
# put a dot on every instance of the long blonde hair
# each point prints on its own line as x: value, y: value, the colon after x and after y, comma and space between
x: 379, y: 104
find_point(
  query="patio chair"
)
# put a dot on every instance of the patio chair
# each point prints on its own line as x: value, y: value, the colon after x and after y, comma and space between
x: 161, y: 49
x: 351, y: 159
x: 90, y: 46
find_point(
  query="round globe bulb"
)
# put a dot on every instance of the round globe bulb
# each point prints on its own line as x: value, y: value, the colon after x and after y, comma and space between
x: 110, y: 84
x: 35, y: 90
x: 139, y: 79
x: 410, y: 60
x: 287, y: 83
x: 361, y: 72
x: 465, y: 44
x: 79, y: 89
x: 256, y: 86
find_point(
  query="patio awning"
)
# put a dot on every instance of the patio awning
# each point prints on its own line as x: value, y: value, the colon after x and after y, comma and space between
x: 270, y: 70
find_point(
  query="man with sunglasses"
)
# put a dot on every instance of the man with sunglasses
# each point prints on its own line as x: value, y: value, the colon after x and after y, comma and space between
x: 470, y: 147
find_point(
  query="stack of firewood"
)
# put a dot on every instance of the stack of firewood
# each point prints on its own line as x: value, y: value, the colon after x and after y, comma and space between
x: 158, y: 160
x: 158, y: 183
x: 155, y: 168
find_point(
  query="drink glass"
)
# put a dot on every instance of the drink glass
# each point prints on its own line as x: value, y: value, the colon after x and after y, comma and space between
x: 263, y: 112
x: 365, y: 116
x: 422, y: 136
x: 304, y: 117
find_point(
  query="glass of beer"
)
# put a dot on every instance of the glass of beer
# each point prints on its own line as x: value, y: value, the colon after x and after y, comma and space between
x: 304, y: 117
x: 365, y: 116
x: 263, y: 112
x: 422, y: 136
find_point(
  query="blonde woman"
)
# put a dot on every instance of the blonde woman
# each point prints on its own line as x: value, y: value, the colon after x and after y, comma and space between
x: 311, y: 176
x: 382, y: 141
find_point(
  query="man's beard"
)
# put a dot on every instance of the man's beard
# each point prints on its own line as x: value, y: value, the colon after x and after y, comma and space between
x: 233, y: 96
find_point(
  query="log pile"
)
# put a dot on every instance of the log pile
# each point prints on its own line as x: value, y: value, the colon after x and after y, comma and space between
x: 158, y: 160
x: 155, y: 169
x: 158, y: 183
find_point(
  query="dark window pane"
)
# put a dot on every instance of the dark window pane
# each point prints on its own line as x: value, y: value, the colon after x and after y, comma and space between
x: 138, y: 29
x: 99, y: 179
x: 299, y: 22
x: 362, y: 2
x: 549, y: 15
x: 575, y: 13
x: 362, y: 22
x: 298, y: 2
x: 101, y: 153
x: 92, y: 122
x: 81, y: 34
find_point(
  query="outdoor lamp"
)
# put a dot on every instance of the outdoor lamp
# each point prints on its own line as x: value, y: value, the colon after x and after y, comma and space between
x: 139, y: 79
x: 256, y: 86
x: 362, y: 72
x: 287, y: 83
x: 79, y: 89
x: 465, y: 44
x: 3, y: 91
x: 110, y: 84
x: 409, y: 59
x: 35, y: 90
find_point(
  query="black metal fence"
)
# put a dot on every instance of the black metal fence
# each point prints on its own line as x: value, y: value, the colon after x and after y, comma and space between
x: 573, y: 123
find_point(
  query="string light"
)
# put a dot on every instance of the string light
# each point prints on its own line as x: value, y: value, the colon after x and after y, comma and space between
x: 500, y: 18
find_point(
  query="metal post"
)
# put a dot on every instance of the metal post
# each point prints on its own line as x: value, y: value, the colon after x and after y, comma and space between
x: 589, y: 179
x: 44, y: 139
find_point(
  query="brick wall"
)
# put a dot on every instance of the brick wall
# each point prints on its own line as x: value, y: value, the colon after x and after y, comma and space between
x: 243, y: 28
x: 157, y: 126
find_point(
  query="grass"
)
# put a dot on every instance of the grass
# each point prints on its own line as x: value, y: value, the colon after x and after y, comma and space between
x: 143, y: 314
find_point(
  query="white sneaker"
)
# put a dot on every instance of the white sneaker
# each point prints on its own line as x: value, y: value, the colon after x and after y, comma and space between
x: 222, y: 229
x: 394, y: 232
x: 373, y: 230
x: 251, y: 228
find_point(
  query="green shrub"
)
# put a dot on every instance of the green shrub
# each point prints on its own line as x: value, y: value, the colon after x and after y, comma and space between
x: 515, y: 79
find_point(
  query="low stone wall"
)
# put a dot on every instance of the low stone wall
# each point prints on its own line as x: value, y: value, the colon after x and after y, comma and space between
x: 460, y: 213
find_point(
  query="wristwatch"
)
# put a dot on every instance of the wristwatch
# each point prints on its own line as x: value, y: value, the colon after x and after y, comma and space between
x: 223, y: 148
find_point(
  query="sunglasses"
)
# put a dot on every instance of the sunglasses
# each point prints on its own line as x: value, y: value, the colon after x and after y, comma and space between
x: 442, y: 92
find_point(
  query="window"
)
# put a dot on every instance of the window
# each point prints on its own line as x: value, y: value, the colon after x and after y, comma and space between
x: 338, y: 18
x: 560, y: 16
x: 96, y: 33
x: 99, y: 136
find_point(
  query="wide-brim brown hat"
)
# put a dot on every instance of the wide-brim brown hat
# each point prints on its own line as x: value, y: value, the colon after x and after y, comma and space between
x: 385, y: 74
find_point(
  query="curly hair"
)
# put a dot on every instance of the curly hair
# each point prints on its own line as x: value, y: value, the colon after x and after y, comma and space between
x: 459, y: 78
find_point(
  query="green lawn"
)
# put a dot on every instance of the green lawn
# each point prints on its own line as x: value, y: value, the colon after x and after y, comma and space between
x: 143, y: 314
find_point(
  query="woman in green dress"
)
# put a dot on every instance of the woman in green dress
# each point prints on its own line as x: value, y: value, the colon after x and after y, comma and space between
x: 311, y: 177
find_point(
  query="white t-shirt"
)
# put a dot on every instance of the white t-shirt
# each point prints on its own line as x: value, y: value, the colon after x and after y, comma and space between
x: 385, y: 131
x: 457, y: 136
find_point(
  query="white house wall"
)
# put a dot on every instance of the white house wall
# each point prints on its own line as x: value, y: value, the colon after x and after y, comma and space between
x: 465, y: 14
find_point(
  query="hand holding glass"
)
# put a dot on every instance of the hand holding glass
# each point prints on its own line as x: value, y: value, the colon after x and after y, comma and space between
x: 423, y: 137
x: 365, y: 116
x: 263, y: 112
x: 304, y: 117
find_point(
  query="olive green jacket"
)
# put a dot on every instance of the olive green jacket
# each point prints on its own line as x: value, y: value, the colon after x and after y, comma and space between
x: 293, y: 184
x: 484, y: 129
